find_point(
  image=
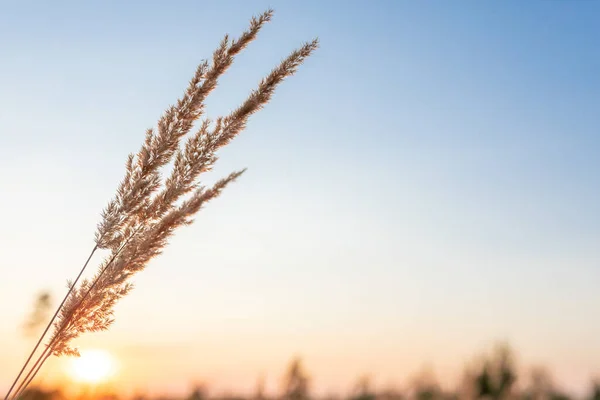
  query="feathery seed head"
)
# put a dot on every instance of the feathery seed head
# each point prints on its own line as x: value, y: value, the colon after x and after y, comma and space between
x: 138, y: 221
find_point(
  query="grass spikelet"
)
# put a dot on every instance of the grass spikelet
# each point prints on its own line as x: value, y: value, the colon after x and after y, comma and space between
x: 146, y: 210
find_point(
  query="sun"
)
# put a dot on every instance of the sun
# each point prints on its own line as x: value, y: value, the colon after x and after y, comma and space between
x: 94, y: 366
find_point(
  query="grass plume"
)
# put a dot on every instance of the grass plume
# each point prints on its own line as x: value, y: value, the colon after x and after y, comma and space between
x: 146, y: 209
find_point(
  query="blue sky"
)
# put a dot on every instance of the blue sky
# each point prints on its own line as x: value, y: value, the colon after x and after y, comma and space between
x: 427, y: 183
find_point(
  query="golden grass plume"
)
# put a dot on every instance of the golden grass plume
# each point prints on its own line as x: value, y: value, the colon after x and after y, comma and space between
x: 147, y: 209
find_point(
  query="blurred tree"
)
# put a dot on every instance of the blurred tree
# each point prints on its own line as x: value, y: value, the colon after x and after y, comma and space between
x: 295, y: 386
x: 425, y: 386
x: 542, y: 387
x: 37, y: 393
x: 595, y: 395
x: 467, y: 386
x: 497, y: 376
x: 198, y: 393
x: 259, y: 392
x: 362, y: 389
x: 39, y: 315
x: 541, y: 384
x: 559, y: 396
x: 390, y: 394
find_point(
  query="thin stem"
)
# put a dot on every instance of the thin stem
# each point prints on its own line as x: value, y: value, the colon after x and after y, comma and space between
x: 50, y: 323
x: 48, y: 351
x: 32, y: 372
x: 93, y: 285
x: 22, y: 388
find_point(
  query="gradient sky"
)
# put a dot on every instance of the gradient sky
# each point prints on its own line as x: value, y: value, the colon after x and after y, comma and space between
x: 426, y: 185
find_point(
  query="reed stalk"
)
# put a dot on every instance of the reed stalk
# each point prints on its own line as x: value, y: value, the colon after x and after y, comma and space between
x: 146, y: 210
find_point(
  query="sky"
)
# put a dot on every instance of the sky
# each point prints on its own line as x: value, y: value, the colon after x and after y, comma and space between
x: 424, y: 187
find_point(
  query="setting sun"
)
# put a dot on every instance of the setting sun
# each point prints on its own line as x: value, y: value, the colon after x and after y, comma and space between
x: 94, y: 366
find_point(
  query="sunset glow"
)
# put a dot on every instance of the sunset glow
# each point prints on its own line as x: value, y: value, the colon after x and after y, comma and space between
x: 419, y: 217
x: 94, y: 366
